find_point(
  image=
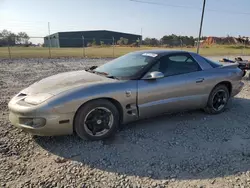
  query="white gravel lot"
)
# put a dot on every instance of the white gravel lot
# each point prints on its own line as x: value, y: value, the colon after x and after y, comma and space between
x: 190, y: 149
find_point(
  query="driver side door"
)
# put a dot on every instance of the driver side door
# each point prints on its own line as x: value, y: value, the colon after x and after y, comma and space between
x: 180, y: 88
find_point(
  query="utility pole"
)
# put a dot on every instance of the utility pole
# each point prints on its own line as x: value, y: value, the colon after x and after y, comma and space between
x: 9, y: 49
x: 202, y: 16
x: 181, y: 43
x: 113, y: 46
x: 49, y: 40
x: 83, y: 47
x: 141, y: 37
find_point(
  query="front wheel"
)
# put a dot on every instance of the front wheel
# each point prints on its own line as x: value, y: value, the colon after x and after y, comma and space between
x: 97, y: 120
x: 218, y: 100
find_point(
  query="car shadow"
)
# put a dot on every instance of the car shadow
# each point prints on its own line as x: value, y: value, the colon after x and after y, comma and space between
x: 188, y: 145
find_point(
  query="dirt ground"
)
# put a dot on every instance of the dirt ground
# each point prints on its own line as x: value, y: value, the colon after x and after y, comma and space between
x: 190, y: 149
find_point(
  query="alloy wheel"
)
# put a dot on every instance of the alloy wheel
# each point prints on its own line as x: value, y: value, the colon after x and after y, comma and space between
x: 98, y: 121
x: 219, y: 100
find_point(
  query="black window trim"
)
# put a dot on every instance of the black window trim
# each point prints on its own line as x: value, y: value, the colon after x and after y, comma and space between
x: 147, y: 69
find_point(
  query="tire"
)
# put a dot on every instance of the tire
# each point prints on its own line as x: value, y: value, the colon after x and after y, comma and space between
x: 92, y: 110
x: 211, y: 107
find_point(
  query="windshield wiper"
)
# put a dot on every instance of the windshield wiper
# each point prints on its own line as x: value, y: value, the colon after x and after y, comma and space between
x: 91, y: 69
x: 102, y: 73
x: 106, y: 75
x: 96, y: 72
x: 112, y: 77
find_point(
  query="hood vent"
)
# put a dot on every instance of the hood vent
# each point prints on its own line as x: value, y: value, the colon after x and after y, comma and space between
x: 22, y: 95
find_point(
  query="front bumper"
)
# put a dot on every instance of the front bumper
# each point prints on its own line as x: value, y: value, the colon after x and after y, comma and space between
x: 56, y: 124
x: 237, y: 89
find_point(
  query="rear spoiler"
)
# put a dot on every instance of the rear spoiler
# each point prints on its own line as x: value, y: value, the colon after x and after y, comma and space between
x: 229, y: 65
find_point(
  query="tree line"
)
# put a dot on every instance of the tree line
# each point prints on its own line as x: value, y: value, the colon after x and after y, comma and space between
x: 172, y: 40
x: 8, y: 38
x: 22, y: 39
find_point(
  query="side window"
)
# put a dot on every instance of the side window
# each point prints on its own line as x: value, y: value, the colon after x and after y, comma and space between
x: 155, y: 67
x: 178, y: 58
x: 176, y: 64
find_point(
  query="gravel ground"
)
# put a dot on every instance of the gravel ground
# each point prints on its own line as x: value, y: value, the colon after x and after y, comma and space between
x: 190, y: 149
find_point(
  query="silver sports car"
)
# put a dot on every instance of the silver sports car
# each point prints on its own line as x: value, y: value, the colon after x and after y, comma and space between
x: 94, y: 102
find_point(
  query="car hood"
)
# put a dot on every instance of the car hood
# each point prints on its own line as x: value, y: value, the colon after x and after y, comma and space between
x: 64, y: 81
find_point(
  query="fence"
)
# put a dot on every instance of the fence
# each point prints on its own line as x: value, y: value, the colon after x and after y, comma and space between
x: 100, y: 48
x: 65, y: 47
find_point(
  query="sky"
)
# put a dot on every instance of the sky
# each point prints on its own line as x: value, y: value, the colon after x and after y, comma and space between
x: 155, y: 18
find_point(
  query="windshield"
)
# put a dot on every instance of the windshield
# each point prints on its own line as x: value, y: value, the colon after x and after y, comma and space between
x: 126, y: 66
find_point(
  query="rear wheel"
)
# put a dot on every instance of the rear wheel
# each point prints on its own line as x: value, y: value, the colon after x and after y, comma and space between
x: 218, y: 100
x: 97, y: 120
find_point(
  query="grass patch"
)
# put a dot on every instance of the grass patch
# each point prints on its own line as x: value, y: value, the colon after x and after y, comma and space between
x: 105, y: 52
x: 238, y: 47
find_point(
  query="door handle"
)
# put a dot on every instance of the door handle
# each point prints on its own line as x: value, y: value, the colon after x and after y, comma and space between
x: 199, y: 80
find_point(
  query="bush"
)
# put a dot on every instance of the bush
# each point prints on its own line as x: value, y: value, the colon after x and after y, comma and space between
x: 122, y: 41
x: 135, y: 44
x: 93, y: 42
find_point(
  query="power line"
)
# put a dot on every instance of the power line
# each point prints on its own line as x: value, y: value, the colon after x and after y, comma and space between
x: 190, y: 7
x: 25, y: 22
x: 164, y: 4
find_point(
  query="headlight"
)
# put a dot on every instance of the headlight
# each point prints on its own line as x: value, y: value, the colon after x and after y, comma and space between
x: 37, y: 98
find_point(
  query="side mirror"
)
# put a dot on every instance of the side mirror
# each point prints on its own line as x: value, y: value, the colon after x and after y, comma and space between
x: 153, y: 75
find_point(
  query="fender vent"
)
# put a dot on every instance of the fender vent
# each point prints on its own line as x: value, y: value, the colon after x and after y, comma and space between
x: 131, y: 109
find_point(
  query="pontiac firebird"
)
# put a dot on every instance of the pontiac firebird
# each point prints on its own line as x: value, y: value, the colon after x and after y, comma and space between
x: 94, y: 102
